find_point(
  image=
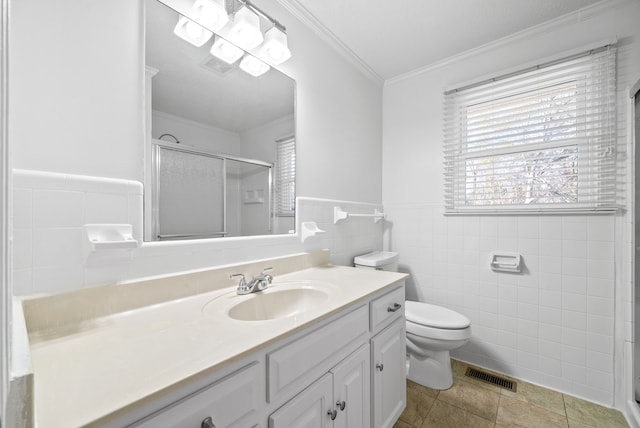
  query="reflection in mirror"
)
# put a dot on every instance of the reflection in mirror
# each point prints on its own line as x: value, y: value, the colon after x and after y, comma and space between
x: 222, y: 124
x: 231, y: 195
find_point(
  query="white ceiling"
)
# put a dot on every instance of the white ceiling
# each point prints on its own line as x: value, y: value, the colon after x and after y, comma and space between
x: 393, y: 37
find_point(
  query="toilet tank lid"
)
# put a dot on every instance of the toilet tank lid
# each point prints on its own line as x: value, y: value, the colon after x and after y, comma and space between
x: 376, y: 258
x: 435, y: 316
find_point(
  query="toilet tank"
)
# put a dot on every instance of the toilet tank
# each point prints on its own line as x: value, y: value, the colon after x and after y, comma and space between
x: 378, y: 260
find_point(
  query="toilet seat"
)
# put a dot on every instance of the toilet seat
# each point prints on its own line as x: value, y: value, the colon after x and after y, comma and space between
x: 422, y: 331
x: 435, y: 317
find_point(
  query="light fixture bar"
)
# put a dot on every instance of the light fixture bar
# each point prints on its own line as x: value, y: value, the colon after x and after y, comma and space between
x: 259, y: 11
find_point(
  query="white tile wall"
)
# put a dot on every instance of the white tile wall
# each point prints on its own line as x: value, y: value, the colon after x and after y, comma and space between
x: 347, y: 238
x: 50, y: 210
x: 553, y: 324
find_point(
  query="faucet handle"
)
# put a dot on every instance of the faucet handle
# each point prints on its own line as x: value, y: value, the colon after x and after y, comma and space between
x: 268, y: 277
x: 243, y: 280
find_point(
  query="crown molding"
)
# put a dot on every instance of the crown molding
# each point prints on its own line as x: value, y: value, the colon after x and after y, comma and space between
x: 577, y: 16
x: 308, y: 19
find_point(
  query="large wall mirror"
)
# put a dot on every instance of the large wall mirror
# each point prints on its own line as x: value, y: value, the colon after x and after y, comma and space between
x: 220, y: 158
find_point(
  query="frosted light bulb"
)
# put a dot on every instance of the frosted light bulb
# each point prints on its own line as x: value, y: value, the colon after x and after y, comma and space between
x: 253, y: 65
x: 190, y: 31
x: 193, y: 30
x: 274, y: 50
x: 225, y: 51
x: 228, y: 50
x: 210, y: 13
x: 245, y: 31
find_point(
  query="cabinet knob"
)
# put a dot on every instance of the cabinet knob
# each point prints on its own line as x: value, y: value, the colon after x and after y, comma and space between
x: 341, y: 405
x: 394, y: 308
x: 332, y: 414
x: 207, y: 423
x: 380, y: 367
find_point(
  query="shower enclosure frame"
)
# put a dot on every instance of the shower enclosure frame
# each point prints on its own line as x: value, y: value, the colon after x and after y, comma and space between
x: 158, y: 145
x: 632, y: 366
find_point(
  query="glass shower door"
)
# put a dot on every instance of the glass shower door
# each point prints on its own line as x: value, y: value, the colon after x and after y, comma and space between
x: 190, y: 190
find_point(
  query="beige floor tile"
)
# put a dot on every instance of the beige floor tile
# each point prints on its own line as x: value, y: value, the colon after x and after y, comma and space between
x: 515, y: 413
x: 427, y: 391
x: 590, y: 414
x: 473, y: 398
x: 419, y: 402
x: 402, y: 424
x: 541, y: 397
x: 444, y: 415
x: 576, y: 424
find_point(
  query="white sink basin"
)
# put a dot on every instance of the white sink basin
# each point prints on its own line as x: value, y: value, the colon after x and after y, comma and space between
x: 282, y: 300
x: 277, y: 304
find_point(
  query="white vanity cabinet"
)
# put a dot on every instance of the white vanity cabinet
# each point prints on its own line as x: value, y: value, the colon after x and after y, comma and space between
x: 234, y: 401
x: 339, y: 399
x: 388, y: 358
x: 389, y: 395
x: 370, y: 381
x: 347, y: 371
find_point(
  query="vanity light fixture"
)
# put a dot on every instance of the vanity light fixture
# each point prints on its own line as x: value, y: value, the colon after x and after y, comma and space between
x: 274, y: 50
x: 192, y: 32
x: 252, y: 65
x: 226, y: 51
x: 241, y: 34
x: 245, y: 30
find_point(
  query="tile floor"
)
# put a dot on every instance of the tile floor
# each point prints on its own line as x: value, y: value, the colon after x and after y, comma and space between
x: 473, y: 403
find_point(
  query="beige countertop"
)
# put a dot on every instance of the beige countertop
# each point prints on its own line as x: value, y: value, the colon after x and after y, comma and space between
x: 101, y: 368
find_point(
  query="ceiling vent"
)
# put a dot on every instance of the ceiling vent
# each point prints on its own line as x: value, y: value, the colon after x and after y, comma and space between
x: 217, y: 66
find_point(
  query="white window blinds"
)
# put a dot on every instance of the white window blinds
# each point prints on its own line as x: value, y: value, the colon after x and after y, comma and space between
x: 285, y: 181
x: 540, y: 140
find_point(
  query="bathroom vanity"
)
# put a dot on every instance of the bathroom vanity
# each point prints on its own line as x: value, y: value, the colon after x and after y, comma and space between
x: 322, y: 346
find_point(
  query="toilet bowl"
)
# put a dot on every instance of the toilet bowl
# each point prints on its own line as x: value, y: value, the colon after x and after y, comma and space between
x: 433, y: 331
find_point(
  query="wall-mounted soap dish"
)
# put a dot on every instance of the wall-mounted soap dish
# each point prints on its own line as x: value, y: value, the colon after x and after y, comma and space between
x: 309, y: 229
x: 108, y: 242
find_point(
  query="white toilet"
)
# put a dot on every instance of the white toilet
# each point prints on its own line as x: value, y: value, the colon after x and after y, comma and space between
x: 432, y: 331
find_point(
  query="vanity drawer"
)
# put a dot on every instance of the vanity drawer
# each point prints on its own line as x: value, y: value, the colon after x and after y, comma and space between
x: 387, y: 308
x: 297, y: 364
x: 233, y: 401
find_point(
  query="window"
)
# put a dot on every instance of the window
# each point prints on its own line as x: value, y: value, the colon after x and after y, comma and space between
x: 285, y: 181
x: 540, y: 140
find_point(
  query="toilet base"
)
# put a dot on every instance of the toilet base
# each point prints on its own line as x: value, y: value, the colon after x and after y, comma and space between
x: 433, y: 371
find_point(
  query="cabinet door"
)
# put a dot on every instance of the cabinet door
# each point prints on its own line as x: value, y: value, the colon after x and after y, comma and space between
x: 388, y: 352
x: 352, y: 386
x: 309, y: 409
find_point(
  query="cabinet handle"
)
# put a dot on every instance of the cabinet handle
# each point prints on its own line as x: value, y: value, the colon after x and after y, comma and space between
x: 394, y: 308
x: 341, y: 405
x: 332, y: 414
x: 207, y: 423
x: 380, y: 367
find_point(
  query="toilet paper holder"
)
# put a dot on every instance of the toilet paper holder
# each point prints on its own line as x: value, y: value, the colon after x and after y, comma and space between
x: 506, y: 262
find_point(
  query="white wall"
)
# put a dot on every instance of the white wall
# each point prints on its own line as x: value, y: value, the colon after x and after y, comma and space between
x: 77, y: 107
x: 77, y: 102
x: 556, y: 324
x: 51, y: 208
x: 260, y: 143
x: 76, y: 87
x: 196, y: 134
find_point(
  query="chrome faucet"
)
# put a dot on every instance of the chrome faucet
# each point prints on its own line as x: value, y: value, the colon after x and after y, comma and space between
x: 258, y: 283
